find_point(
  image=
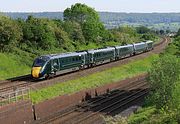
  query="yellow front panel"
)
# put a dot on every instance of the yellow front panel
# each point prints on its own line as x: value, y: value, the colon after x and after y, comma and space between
x: 35, y: 71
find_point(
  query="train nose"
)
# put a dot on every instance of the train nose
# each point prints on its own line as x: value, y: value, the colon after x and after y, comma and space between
x: 36, y: 71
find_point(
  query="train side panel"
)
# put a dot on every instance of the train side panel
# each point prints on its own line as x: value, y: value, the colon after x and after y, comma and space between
x: 149, y: 45
x: 123, y: 51
x: 102, y: 55
x: 139, y: 47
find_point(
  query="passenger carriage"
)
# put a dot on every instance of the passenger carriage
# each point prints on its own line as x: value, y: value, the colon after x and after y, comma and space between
x: 149, y: 45
x: 99, y: 56
x: 124, y: 51
x: 139, y: 47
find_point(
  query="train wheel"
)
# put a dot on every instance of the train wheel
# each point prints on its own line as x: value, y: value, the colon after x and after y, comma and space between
x: 47, y: 76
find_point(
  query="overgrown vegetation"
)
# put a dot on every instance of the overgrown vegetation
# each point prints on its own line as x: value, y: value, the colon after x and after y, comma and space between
x: 164, y: 81
x: 81, y: 29
x: 94, y: 80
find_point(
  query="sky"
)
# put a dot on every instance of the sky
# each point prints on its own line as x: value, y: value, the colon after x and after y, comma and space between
x: 140, y: 6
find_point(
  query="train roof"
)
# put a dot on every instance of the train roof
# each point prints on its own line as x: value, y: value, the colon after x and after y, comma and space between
x: 139, y: 43
x: 149, y: 41
x: 62, y: 55
x: 101, y: 50
x: 129, y: 45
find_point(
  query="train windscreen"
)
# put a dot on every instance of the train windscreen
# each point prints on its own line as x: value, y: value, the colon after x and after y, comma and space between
x: 40, y: 61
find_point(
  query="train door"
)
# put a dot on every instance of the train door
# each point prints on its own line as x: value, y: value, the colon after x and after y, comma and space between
x: 55, y: 65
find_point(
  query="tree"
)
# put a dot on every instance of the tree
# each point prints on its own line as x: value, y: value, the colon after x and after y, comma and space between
x: 168, y: 31
x: 10, y: 34
x: 88, y: 18
x: 161, y: 32
x: 74, y: 31
x: 162, y: 78
x: 148, y: 36
x: 39, y: 33
x: 178, y: 33
x: 128, y: 30
x: 142, y: 30
x: 80, y: 13
x: 91, y: 29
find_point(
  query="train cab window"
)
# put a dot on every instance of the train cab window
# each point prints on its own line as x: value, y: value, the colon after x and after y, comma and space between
x: 39, y: 62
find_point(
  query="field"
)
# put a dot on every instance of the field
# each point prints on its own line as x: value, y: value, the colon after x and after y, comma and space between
x: 94, y: 80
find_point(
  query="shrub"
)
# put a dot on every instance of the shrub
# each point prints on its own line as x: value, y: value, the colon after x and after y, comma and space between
x: 162, y: 78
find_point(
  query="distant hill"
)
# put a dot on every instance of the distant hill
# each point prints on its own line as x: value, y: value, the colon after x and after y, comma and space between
x: 165, y: 21
x: 24, y: 15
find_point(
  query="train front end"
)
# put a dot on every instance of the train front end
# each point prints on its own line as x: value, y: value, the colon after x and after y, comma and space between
x: 38, y: 68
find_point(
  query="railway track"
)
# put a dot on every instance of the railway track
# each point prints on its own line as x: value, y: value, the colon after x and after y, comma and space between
x: 14, y: 83
x: 17, y: 85
x: 107, y: 104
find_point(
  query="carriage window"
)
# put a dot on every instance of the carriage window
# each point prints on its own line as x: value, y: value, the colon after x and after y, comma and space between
x: 76, y: 58
x: 67, y: 60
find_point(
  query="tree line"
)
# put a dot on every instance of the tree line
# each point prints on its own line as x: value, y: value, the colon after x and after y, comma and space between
x: 81, y: 26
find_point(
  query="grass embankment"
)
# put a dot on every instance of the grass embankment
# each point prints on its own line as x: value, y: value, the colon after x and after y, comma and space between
x: 94, y: 80
x: 11, y: 66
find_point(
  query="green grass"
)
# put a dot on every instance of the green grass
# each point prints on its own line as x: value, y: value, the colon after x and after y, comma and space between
x: 141, y: 115
x: 94, y: 80
x: 11, y: 66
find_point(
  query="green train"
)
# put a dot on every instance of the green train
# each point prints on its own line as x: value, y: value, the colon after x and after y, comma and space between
x: 55, y: 64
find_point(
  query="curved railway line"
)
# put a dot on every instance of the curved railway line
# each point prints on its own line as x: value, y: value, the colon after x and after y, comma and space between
x: 91, y: 111
x: 26, y: 80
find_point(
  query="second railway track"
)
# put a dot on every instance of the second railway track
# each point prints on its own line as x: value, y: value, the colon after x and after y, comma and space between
x: 91, y: 110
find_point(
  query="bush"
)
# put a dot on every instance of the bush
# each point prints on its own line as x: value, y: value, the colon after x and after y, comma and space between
x: 162, y: 78
x: 10, y: 34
